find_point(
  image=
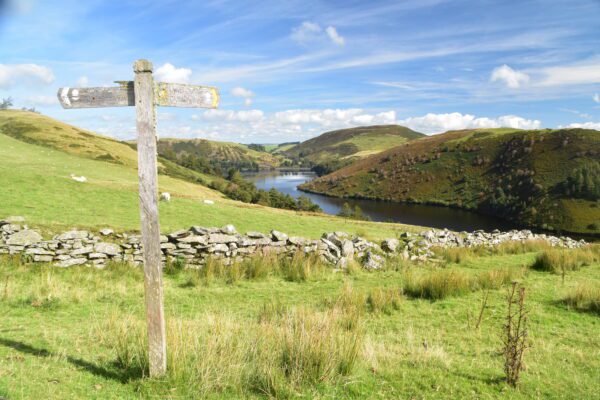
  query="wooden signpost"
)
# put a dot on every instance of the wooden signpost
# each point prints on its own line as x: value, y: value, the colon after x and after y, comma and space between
x: 145, y: 94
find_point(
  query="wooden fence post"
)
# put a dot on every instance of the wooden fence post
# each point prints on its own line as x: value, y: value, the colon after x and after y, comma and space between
x: 148, y: 177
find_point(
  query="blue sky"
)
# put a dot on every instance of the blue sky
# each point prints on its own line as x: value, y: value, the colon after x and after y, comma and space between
x: 289, y: 70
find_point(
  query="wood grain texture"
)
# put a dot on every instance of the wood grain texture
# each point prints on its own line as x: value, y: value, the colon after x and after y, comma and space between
x: 96, y: 97
x: 148, y: 177
x: 180, y: 95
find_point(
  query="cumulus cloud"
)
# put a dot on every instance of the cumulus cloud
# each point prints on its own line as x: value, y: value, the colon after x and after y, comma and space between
x: 30, y: 74
x: 311, y: 31
x: 82, y: 81
x: 596, y: 97
x: 334, y: 118
x: 246, y: 94
x: 511, y: 78
x: 584, y: 125
x: 335, y: 36
x: 230, y: 115
x: 168, y: 73
x: 437, y: 123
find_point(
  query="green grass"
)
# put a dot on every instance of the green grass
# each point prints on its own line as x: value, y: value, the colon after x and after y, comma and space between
x: 78, y: 333
x: 35, y: 183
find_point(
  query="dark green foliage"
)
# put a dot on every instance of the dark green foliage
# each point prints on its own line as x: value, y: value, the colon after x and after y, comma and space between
x: 6, y: 103
x: 584, y: 182
x: 257, y: 147
x: 353, y: 213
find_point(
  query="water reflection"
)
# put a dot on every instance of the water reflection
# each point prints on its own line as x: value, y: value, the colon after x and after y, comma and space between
x: 437, y: 217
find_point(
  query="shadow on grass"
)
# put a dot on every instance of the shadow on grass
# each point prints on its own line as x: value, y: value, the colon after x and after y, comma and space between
x: 124, y: 376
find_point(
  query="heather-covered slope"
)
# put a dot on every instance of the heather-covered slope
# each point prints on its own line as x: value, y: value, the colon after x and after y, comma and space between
x: 542, y: 178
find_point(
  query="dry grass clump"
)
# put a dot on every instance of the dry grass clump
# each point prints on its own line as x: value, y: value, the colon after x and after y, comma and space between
x: 559, y: 261
x: 439, y: 284
x: 584, y: 297
x: 379, y: 300
x: 284, y: 351
x: 298, y: 267
x: 458, y: 255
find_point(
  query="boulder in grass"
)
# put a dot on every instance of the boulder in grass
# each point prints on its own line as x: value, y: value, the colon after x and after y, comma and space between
x: 24, y: 238
x: 278, y: 236
x: 390, y: 245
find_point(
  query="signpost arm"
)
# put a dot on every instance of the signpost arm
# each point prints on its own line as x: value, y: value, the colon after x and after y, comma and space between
x: 148, y: 177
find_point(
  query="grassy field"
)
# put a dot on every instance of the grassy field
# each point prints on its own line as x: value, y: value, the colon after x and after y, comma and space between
x: 35, y: 183
x: 284, y: 330
x: 513, y: 174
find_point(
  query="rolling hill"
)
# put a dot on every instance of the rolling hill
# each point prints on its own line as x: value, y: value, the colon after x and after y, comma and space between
x: 223, y: 155
x: 345, y: 145
x: 542, y: 178
x: 39, y: 154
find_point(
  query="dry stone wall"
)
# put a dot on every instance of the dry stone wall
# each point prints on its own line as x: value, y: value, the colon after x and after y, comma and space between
x: 197, y: 244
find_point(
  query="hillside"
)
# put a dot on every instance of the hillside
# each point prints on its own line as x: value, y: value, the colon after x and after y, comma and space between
x: 343, y: 146
x: 221, y: 155
x: 543, y: 178
x: 39, y: 154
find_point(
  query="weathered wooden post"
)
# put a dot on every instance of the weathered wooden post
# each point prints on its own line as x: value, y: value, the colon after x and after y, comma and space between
x: 145, y: 95
x: 148, y: 180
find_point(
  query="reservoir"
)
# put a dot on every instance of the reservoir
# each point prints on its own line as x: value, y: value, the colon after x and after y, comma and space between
x: 381, y: 211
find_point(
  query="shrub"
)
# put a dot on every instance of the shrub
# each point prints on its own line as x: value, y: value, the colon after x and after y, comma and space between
x: 515, y: 334
x: 584, y: 297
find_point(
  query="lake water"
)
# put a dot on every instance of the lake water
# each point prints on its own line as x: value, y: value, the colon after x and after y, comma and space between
x: 413, y: 214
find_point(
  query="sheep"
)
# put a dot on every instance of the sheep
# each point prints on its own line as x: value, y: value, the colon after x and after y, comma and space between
x: 165, y: 196
x: 78, y: 178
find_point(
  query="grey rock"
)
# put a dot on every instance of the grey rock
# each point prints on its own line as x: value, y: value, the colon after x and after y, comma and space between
x: 220, y: 238
x: 278, y: 236
x: 82, y: 251
x: 39, y: 252
x: 110, y: 249
x: 194, y: 239
x: 106, y: 232
x: 72, y: 235
x: 390, y: 245
x: 96, y: 256
x: 71, y: 262
x: 372, y: 261
x: 228, y: 230
x: 24, y: 238
x: 347, y: 248
x: 256, y: 235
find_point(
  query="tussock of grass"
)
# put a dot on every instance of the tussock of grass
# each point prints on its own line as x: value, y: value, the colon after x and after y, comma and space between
x: 564, y: 260
x: 299, y: 267
x: 459, y: 255
x: 379, y: 300
x: 439, y: 284
x: 584, y: 297
x: 284, y: 351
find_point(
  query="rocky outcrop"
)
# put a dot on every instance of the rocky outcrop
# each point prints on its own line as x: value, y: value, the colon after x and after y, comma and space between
x: 197, y: 244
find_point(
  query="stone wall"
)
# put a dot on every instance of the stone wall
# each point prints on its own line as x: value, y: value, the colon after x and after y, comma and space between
x: 196, y: 244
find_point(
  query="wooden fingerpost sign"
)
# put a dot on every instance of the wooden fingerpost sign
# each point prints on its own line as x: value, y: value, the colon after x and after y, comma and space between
x: 145, y: 94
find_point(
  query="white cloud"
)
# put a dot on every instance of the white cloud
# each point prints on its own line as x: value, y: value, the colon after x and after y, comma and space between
x: 579, y: 74
x: 512, y: 78
x: 246, y: 94
x: 41, y: 100
x: 584, y: 125
x: 596, y: 97
x: 168, y: 73
x: 82, y: 81
x: 311, y: 32
x: 230, y: 115
x: 306, y: 32
x: 335, y: 36
x: 437, y: 123
x: 30, y: 74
